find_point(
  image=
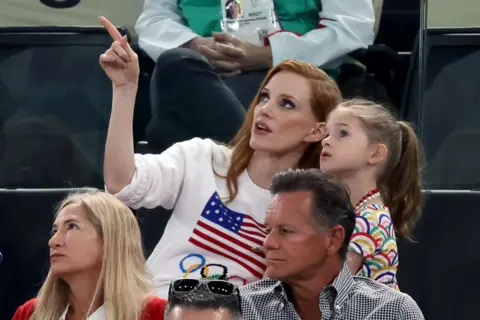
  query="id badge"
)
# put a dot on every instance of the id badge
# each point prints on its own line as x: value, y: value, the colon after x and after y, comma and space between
x: 249, y: 20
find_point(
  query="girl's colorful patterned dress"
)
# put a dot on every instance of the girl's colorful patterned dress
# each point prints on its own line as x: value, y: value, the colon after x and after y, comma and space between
x: 374, y: 239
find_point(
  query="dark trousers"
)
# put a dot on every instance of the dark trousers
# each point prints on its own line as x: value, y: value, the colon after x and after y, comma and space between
x: 189, y: 99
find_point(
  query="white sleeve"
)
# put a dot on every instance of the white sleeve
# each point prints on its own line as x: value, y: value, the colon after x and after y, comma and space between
x: 344, y: 26
x: 161, y: 27
x: 159, y: 178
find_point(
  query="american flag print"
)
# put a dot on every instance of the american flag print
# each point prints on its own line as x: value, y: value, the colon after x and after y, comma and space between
x: 230, y: 234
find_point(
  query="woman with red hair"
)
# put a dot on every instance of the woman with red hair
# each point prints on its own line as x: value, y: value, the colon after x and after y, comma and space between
x: 218, y: 193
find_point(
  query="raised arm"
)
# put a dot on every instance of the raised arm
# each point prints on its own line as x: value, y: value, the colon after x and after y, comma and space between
x: 120, y: 63
x: 149, y: 180
x: 344, y: 26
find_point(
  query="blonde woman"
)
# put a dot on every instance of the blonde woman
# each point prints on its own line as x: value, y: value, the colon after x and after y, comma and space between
x: 97, y: 267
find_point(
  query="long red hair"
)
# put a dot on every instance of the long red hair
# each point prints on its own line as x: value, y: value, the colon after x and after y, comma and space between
x: 325, y: 97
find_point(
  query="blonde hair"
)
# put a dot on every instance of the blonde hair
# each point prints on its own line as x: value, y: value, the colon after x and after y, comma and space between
x: 325, y: 95
x: 124, y: 283
x: 399, y: 182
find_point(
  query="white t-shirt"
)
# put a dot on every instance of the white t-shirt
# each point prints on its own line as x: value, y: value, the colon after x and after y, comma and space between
x: 205, y: 237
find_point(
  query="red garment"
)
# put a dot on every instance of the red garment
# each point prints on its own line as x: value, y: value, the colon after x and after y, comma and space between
x: 155, y: 309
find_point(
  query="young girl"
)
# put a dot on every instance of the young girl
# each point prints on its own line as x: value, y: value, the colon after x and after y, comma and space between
x: 218, y: 193
x: 378, y: 158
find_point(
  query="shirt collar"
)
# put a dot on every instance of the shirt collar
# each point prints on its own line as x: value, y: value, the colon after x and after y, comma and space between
x: 341, y: 285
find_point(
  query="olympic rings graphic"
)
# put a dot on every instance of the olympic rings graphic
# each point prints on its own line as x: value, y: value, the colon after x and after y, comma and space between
x: 194, y: 267
x: 244, y: 281
x: 204, y: 272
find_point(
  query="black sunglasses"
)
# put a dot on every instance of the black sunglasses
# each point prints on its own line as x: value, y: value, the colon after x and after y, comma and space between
x: 219, y: 287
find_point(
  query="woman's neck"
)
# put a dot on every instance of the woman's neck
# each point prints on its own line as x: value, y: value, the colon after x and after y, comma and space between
x: 262, y: 167
x: 84, y: 300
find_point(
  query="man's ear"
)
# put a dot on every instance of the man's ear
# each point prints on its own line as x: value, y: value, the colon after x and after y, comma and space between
x: 337, y: 236
x: 317, y: 133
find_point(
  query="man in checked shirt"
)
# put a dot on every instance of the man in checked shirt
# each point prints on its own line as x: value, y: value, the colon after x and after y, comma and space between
x: 310, y: 221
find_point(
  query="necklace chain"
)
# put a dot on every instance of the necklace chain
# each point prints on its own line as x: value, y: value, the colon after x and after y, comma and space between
x: 372, y: 194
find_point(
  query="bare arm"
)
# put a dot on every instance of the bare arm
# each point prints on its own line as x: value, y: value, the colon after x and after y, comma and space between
x: 120, y: 63
x: 119, y: 162
x: 138, y: 180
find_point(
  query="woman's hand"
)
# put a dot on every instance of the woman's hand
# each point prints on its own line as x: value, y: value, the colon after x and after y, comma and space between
x: 120, y: 62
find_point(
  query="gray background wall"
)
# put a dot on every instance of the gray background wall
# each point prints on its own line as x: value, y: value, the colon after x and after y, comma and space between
x: 442, y: 13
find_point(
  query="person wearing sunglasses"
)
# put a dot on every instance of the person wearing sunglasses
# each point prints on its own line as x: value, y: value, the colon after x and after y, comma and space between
x: 309, y: 223
x: 203, y: 299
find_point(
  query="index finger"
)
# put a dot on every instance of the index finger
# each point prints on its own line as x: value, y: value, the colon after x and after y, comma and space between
x: 112, y: 30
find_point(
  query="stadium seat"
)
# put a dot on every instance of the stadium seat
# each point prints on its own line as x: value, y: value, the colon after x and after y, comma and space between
x: 399, y: 24
x: 449, y: 111
x: 50, y: 76
x: 440, y: 269
x: 383, y: 60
